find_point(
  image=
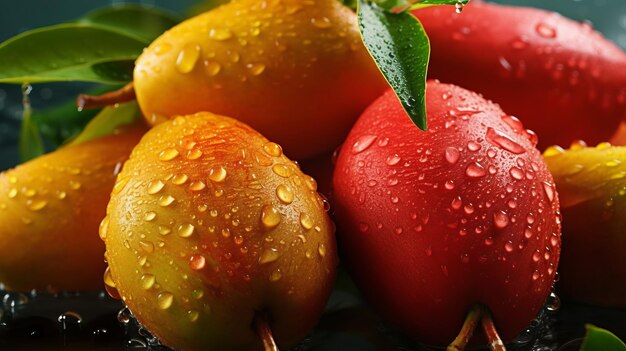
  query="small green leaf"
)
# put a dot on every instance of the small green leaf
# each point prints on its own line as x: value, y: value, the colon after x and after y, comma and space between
x: 598, y: 339
x: 401, y: 49
x: 109, y: 119
x: 69, y: 52
x: 31, y: 143
x: 144, y: 22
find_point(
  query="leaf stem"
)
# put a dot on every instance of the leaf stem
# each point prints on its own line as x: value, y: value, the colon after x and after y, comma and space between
x: 265, y: 333
x: 495, y: 343
x: 471, y: 321
x: 124, y: 94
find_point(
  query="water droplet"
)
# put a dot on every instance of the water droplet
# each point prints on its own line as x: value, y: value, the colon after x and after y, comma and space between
x: 12, y: 193
x: 475, y: 170
x: 165, y: 300
x: 535, y: 275
x: 306, y: 221
x: 162, y: 48
x: 168, y: 155
x: 108, y: 278
x: 194, y: 154
x: 220, y: 34
x: 363, y: 143
x: 449, y: 185
x: 186, y: 230
x: 197, y: 262
x: 197, y: 294
x: 281, y: 170
x: 285, y: 194
x: 503, y: 141
x: 187, y: 58
x: 452, y: 155
x: 508, y: 247
x: 256, y: 69
x: 163, y: 230
x: 500, y: 219
x: 180, y: 179
x: 545, y: 31
x: 456, y: 203
x: 270, y: 216
x: 104, y: 228
x: 155, y: 187
x: 528, y: 233
x: 36, y: 205
x: 146, y: 246
x: 554, y: 303
x: 150, y: 216
x: 549, y: 190
x: 147, y: 281
x: 268, y: 256
x: 516, y: 173
x: 217, y: 174
x: 197, y: 186
x: 212, y: 68
x: 321, y: 249
x: 193, y: 315
x: 276, y: 275
x: 473, y: 146
x: 322, y: 22
x: 120, y: 184
x: 273, y: 149
x: 166, y: 200
x: 393, y: 160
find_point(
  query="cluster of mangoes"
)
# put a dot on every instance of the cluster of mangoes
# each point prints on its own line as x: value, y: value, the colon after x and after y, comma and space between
x: 215, y: 239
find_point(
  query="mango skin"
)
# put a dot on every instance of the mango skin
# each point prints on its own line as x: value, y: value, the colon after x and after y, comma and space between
x: 592, y: 185
x: 186, y: 239
x: 294, y: 70
x: 50, y: 211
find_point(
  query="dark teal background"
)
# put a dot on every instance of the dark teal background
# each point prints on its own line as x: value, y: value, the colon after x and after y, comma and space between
x: 608, y: 16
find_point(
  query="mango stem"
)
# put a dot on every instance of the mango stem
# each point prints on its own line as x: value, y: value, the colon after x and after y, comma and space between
x: 495, y: 343
x: 471, y: 321
x: 265, y: 333
x: 124, y: 94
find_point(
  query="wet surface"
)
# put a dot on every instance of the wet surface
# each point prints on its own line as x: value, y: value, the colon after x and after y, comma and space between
x: 93, y: 321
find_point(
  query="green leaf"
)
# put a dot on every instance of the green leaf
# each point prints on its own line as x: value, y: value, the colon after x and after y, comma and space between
x: 69, y: 52
x: 598, y: 339
x: 107, y: 121
x: 143, y: 22
x: 401, y: 49
x: 31, y: 143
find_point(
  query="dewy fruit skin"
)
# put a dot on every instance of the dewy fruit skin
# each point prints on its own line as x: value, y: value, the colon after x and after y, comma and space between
x: 592, y: 185
x: 463, y: 214
x: 212, y: 227
x: 50, y: 210
x: 296, y: 71
x: 561, y: 78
